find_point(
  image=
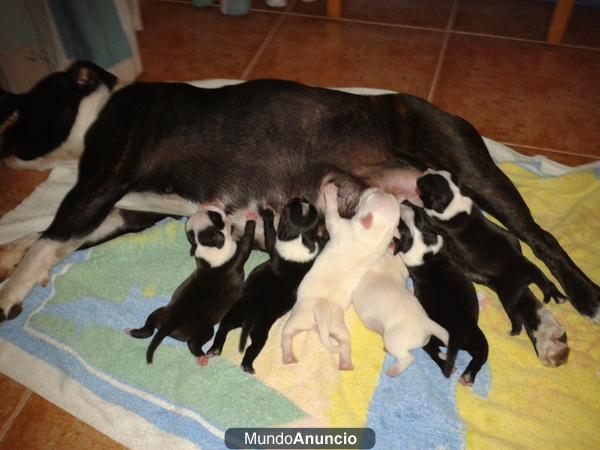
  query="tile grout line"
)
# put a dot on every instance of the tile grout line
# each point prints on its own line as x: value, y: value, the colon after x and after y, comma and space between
x: 288, y: 11
x: 440, y: 62
x: 14, y: 414
x: 252, y: 64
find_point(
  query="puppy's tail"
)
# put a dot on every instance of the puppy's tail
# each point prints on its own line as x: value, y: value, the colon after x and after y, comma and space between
x: 162, y: 333
x: 439, y: 332
x: 323, y: 318
x: 453, y: 347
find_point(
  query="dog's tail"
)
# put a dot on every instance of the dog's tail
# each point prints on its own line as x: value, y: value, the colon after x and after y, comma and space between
x: 439, y: 332
x: 162, y: 333
x: 323, y: 318
x: 453, y: 347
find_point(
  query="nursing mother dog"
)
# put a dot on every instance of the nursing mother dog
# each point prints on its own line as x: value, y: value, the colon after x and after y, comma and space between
x: 262, y: 141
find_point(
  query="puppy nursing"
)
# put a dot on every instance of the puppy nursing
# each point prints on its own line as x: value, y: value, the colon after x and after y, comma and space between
x: 270, y: 290
x: 354, y: 247
x: 385, y: 305
x: 205, y: 296
x: 445, y: 292
x: 492, y: 256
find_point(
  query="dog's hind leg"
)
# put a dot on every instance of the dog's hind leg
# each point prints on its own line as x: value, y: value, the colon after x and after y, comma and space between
x: 153, y: 321
x: 432, y: 348
x: 453, y: 144
x: 203, y: 332
x: 478, y: 348
x: 259, y: 335
x: 233, y: 319
x: 85, y: 214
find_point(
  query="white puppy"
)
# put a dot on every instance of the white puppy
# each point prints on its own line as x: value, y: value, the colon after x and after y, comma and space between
x: 354, y: 247
x: 385, y: 305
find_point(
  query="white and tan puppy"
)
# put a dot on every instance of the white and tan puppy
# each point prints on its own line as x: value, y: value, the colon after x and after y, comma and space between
x: 354, y: 247
x: 386, y: 306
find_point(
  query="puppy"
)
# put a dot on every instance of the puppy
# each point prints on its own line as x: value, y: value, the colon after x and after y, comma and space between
x: 354, y: 247
x: 204, y: 297
x: 384, y: 304
x: 445, y: 292
x: 270, y: 290
x: 489, y: 254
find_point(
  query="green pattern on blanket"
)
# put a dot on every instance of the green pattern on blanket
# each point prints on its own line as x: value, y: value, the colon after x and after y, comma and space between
x: 119, y: 296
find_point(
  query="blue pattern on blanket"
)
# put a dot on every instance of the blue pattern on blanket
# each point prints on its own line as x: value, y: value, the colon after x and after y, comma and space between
x: 420, y: 405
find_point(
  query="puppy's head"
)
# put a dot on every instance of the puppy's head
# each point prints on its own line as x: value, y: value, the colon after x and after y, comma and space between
x: 440, y: 195
x: 417, y: 238
x: 209, y: 234
x: 35, y: 123
x: 297, y: 233
x: 377, y: 212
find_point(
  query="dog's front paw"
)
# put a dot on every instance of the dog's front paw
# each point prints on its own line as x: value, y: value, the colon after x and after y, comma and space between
x: 550, y: 340
x: 346, y: 365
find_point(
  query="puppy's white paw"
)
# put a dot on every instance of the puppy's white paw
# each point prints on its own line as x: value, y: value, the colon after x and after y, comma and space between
x: 289, y: 359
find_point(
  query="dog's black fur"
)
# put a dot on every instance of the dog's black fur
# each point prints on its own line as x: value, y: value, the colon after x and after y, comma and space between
x: 270, y: 290
x: 448, y: 297
x: 489, y: 254
x: 201, y: 301
x: 264, y: 140
x: 40, y: 120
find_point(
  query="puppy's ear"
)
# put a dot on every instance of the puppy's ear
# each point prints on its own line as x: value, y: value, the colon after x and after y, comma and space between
x: 405, y: 242
x: 367, y: 221
x: 192, y: 240
x: 309, y: 243
x: 216, y: 219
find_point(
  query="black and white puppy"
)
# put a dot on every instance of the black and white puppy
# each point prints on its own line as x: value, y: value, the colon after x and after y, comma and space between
x: 445, y: 292
x: 490, y: 255
x: 270, y: 290
x: 201, y: 301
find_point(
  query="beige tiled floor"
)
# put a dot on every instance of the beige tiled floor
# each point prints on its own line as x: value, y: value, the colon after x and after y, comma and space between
x: 485, y: 61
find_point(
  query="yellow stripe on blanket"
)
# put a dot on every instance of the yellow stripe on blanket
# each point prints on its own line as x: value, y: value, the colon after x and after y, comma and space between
x: 529, y: 405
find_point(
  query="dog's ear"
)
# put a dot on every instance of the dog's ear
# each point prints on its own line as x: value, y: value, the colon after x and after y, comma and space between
x: 192, y: 240
x: 216, y: 219
x: 367, y: 221
x: 405, y: 241
x: 309, y: 242
x: 87, y: 76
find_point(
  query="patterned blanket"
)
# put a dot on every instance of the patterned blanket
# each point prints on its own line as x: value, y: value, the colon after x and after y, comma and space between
x: 69, y: 345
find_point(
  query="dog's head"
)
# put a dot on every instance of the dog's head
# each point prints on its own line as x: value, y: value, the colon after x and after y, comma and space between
x: 37, y: 122
x: 417, y: 237
x: 440, y: 195
x: 209, y: 234
x: 377, y: 213
x: 298, y: 238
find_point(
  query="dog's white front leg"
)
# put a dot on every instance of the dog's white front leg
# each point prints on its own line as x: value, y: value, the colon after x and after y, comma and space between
x: 34, y: 268
x: 13, y: 252
x: 41, y: 257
